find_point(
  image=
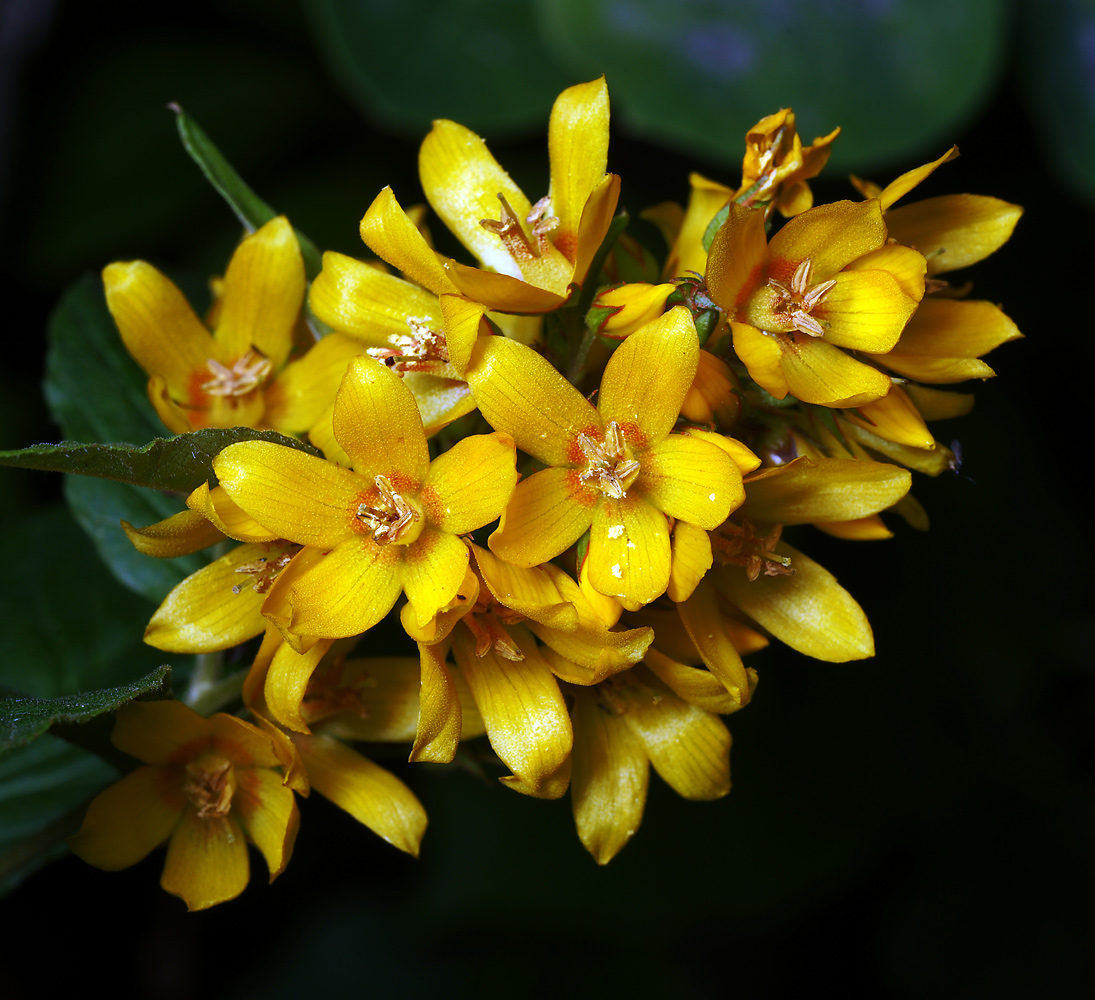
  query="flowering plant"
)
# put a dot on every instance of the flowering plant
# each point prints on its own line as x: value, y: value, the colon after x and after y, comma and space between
x: 556, y: 482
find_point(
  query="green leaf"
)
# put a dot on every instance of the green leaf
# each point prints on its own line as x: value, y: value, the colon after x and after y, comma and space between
x: 43, y: 789
x: 100, y: 505
x: 479, y: 62
x: 249, y: 208
x: 898, y: 77
x: 180, y: 464
x: 1056, y: 64
x: 23, y: 718
x: 86, y: 353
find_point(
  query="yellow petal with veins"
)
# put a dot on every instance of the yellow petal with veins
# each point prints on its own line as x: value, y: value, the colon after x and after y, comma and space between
x: 817, y: 372
x: 895, y: 418
x: 469, y: 485
x: 263, y: 293
x: 690, y: 479
x: 609, y: 778
x: 287, y: 680
x: 178, y: 535
x: 548, y: 513
x: 646, y: 407
x: 829, y: 236
x: 578, y: 148
x: 377, y: 422
x: 629, y: 551
x: 439, y: 717
x: 696, y: 686
x: 293, y: 494
x: 157, y: 324
x: 761, y: 354
x: 954, y: 230
x: 507, y: 292
x: 305, y: 388
x: 704, y: 201
x: 267, y: 811
x: 373, y: 796
x: 130, y: 819
x: 462, y: 182
x: 701, y: 619
x: 526, y: 720
x: 390, y: 233
x: 206, y: 861
x: 433, y: 569
x: 808, y: 610
x: 865, y: 311
x: 596, y: 218
x: 691, y: 560
x: 154, y: 731
x: 216, y: 506
x: 736, y: 261
x: 823, y: 489
x: 902, y: 185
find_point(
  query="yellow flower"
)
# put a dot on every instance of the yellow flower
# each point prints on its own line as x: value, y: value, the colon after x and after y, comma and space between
x: 615, y: 469
x: 826, y: 282
x: 777, y: 165
x: 207, y: 787
x: 621, y: 727
x: 240, y: 375
x: 532, y: 253
x: 391, y: 523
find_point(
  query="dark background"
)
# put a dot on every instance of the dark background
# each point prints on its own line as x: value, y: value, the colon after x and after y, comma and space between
x: 920, y: 823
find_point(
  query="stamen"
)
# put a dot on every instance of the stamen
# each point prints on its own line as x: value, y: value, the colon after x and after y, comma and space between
x: 264, y: 571
x: 209, y: 786
x: 608, y: 467
x: 421, y: 350
x: 743, y: 546
x: 249, y: 372
x: 795, y: 304
x: 388, y: 523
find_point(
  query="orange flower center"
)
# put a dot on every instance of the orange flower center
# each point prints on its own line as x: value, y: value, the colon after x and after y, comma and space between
x: 393, y: 519
x: 330, y: 692
x: 608, y: 467
x: 247, y: 374
x: 743, y: 546
x: 209, y: 785
x: 538, y: 259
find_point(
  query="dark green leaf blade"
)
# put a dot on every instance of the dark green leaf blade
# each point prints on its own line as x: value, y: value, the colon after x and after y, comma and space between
x: 249, y: 208
x: 179, y: 464
x: 23, y: 717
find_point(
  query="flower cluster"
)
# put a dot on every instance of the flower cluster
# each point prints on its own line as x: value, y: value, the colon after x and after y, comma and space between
x: 563, y: 472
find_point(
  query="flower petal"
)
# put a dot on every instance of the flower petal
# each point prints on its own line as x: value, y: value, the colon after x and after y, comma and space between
x: 519, y: 392
x: 300, y: 393
x: 906, y: 265
x: 902, y: 185
x: 735, y: 265
x: 704, y: 201
x: 159, y: 732
x: 609, y: 778
x: 691, y: 560
x: 945, y: 328
x: 178, y: 535
x: 267, y: 811
x: 502, y: 291
x: 217, y: 607
x: 369, y: 793
x: 648, y: 376
x: 578, y: 149
x: 823, y: 489
x: 378, y: 424
x: 526, y: 720
x: 433, y: 569
x: 696, y: 686
x: 954, y: 230
x: 817, y: 372
x: 348, y: 591
x: 470, y: 484
x: 830, y: 236
x: 295, y: 495
x: 216, y: 506
x: 701, y: 619
x: 287, y: 681
x: 865, y: 310
x: 462, y: 182
x: 390, y: 233
x: 761, y: 354
x: 689, y: 748
x: 439, y: 718
x: 263, y: 293
x: 808, y: 610
x: 131, y: 818
x: 548, y: 513
x: 157, y: 324
x: 896, y: 418
x: 690, y: 479
x: 596, y: 218
x: 463, y: 321
x: 629, y: 551
x: 359, y: 299
x: 206, y: 861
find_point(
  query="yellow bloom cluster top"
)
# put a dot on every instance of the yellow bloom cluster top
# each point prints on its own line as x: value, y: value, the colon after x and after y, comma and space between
x: 560, y: 470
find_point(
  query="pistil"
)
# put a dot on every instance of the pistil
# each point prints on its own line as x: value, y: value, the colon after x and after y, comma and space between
x: 247, y: 374
x: 794, y: 305
x: 391, y: 521
x: 209, y: 785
